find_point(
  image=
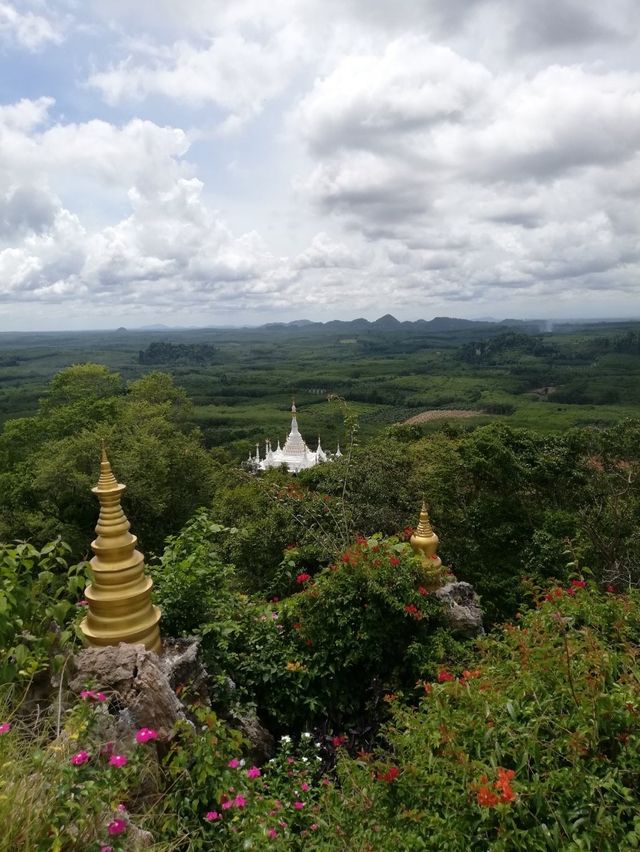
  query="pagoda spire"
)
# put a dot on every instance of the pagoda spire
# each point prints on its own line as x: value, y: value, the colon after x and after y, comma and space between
x: 120, y: 608
x: 425, y: 542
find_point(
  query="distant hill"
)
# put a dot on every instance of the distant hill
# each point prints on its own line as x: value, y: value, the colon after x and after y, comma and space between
x: 388, y: 324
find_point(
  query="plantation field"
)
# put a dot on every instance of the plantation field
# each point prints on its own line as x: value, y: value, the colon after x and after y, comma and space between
x: 576, y: 376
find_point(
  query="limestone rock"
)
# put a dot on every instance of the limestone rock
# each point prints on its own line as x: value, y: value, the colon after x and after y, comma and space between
x: 462, y: 608
x: 180, y: 662
x: 262, y: 742
x: 136, y: 682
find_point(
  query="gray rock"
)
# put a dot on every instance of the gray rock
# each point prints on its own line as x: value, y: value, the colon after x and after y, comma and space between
x: 180, y: 662
x: 135, y: 680
x: 262, y: 742
x: 461, y: 608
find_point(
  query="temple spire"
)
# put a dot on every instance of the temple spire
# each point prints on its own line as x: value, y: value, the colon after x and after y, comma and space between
x: 425, y: 542
x: 120, y: 608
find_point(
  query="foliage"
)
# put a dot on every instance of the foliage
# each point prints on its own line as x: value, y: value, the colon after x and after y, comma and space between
x: 48, y: 463
x: 219, y: 800
x: 39, y: 594
x: 364, y: 628
x: 535, y: 748
x: 163, y: 352
x: 61, y: 789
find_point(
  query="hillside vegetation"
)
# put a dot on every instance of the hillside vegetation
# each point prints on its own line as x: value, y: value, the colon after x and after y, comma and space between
x: 315, y: 617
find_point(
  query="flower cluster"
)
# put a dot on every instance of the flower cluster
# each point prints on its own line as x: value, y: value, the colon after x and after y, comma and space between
x: 389, y: 776
x: 557, y: 593
x: 500, y: 792
x: 412, y: 610
x: 144, y: 735
x: 90, y: 695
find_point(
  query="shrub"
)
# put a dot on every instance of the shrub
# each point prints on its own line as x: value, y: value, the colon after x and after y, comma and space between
x: 39, y: 598
x: 535, y: 748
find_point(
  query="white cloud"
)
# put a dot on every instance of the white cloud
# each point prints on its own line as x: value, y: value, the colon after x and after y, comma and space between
x: 423, y: 154
x: 236, y: 73
x: 27, y: 29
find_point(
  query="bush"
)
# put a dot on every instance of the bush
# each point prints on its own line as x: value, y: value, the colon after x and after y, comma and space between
x: 39, y: 608
x: 535, y: 748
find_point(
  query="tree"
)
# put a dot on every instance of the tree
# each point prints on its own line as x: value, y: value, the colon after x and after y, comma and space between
x: 48, y: 463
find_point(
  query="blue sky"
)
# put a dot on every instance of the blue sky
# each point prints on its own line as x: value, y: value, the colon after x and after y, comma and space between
x: 217, y: 162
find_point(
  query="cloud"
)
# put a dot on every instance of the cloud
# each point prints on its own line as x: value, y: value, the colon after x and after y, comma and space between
x: 27, y: 29
x: 385, y: 157
x: 237, y: 74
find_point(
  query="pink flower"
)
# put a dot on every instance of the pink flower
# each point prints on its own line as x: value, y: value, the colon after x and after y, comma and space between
x: 106, y: 849
x: 5, y: 727
x: 239, y: 801
x: 100, y: 696
x: 212, y: 816
x: 298, y: 805
x: 86, y: 693
x: 118, y: 760
x: 146, y: 734
x: 272, y: 833
x: 314, y: 826
x: 254, y: 772
x: 107, y: 749
x: 80, y: 758
x: 121, y: 808
x: 305, y: 787
x: 234, y: 763
x: 117, y: 826
x: 83, y: 602
x: 226, y: 805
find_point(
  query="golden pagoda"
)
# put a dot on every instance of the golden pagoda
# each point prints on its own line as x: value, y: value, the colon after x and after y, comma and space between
x: 120, y: 608
x: 425, y: 542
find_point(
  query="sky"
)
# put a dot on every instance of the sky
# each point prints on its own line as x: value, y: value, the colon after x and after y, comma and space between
x: 213, y: 162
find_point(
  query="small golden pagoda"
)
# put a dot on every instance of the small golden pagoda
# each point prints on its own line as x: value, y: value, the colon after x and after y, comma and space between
x: 425, y: 543
x: 120, y: 608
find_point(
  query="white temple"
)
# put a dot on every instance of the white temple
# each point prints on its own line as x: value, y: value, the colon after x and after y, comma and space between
x: 295, y: 454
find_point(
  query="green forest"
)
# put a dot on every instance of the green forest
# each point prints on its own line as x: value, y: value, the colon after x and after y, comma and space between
x: 383, y: 726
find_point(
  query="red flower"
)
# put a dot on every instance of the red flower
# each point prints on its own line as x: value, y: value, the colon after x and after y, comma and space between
x: 610, y: 589
x: 471, y: 673
x: 503, y: 784
x: 408, y: 532
x: 361, y: 539
x: 486, y: 797
x: 553, y: 594
x: 413, y: 611
x: 390, y: 775
x: 308, y: 642
x: 297, y: 625
x: 302, y: 578
x: 393, y: 560
x: 444, y: 676
x: 346, y: 558
x: 575, y: 585
x: 422, y: 591
x: 338, y: 740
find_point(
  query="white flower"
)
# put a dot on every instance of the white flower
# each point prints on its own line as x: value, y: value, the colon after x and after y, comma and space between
x: 305, y: 735
x: 305, y: 759
x: 285, y: 738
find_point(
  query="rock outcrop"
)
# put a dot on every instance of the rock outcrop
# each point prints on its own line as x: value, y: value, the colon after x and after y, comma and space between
x: 140, y: 684
x: 461, y: 608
